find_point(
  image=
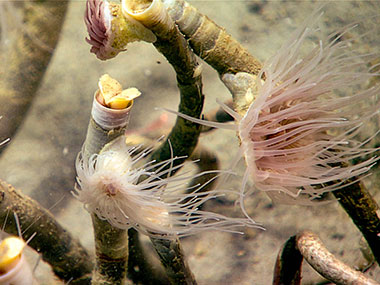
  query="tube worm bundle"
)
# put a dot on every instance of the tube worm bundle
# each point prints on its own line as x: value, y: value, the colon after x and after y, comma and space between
x: 147, y: 197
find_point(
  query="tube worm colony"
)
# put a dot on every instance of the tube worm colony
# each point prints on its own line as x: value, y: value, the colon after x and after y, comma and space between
x: 116, y: 188
x: 298, y: 134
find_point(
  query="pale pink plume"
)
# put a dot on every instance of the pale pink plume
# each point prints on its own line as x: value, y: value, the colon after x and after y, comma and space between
x: 299, y: 135
x: 98, y: 23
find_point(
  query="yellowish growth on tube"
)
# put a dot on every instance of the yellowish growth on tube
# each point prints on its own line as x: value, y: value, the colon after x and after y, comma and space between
x: 10, y: 253
x: 127, y: 29
x: 112, y: 94
x: 150, y: 13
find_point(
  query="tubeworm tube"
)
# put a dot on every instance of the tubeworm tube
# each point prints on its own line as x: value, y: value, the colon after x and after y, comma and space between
x: 14, y: 268
x: 69, y: 260
x: 106, y: 124
x: 326, y: 264
x: 210, y: 41
x: 307, y: 245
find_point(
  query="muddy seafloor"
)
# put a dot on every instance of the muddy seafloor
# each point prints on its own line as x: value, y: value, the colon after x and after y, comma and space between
x: 40, y: 158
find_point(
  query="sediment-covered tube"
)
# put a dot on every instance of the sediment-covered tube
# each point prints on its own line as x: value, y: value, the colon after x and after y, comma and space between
x: 210, y: 41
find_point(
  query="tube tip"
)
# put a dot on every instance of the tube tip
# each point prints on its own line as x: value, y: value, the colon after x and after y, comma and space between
x: 10, y: 252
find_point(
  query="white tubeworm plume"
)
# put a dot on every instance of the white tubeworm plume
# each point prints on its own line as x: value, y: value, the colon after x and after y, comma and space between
x: 298, y: 132
x: 110, y: 31
x: 146, y: 197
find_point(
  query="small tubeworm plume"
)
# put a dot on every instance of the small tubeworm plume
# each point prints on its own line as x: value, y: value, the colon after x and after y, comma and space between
x: 298, y: 127
x: 110, y: 31
x: 147, y: 197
